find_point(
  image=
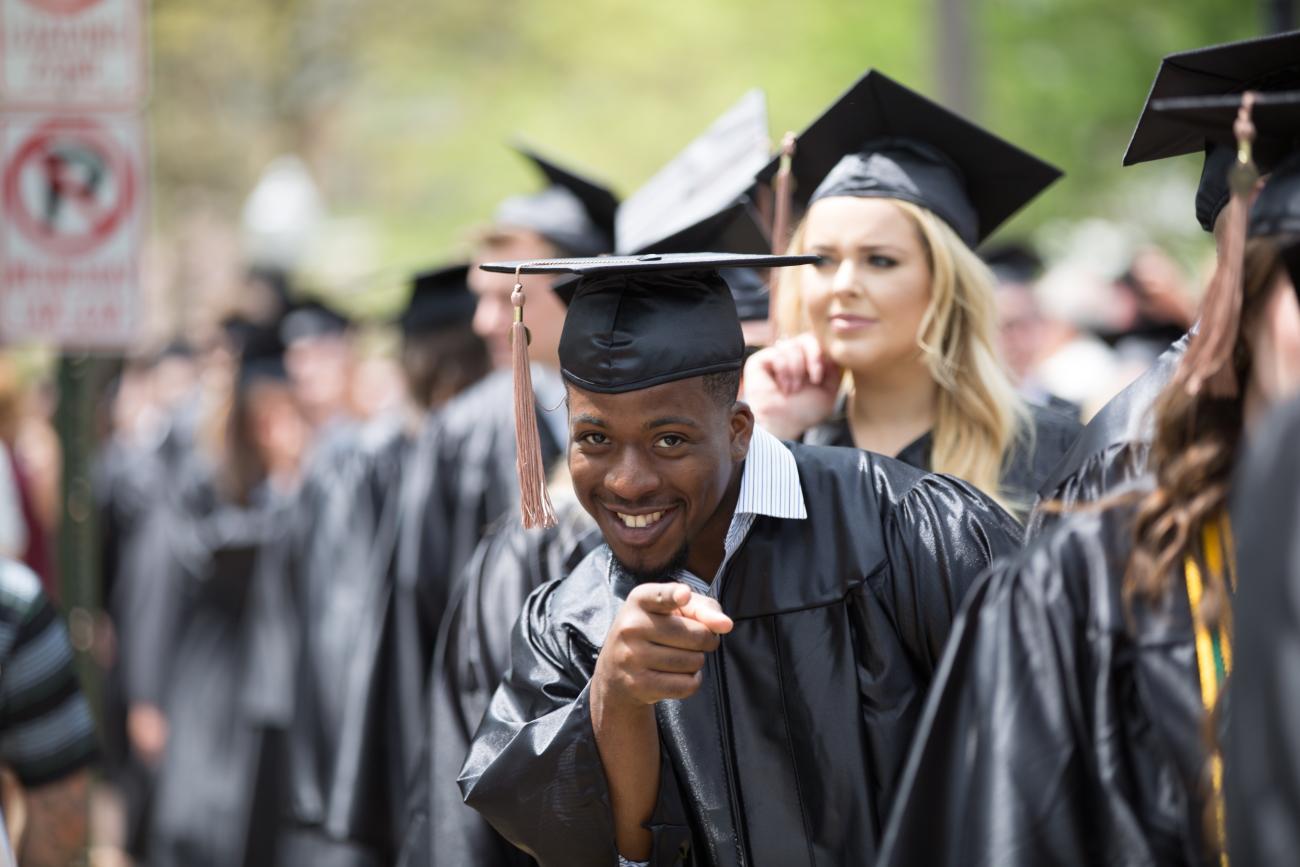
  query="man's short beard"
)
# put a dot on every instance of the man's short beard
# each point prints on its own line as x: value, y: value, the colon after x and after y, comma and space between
x: 661, y: 574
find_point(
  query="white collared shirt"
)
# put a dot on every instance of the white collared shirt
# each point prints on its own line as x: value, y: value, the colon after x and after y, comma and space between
x: 769, y: 486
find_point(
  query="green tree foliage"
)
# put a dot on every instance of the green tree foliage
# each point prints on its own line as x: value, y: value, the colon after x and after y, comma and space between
x: 403, y: 107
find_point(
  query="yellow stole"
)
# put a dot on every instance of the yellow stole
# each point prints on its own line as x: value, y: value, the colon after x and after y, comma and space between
x: 1213, y: 649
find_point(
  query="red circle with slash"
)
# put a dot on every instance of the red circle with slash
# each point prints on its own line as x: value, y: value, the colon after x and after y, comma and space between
x: 69, y: 186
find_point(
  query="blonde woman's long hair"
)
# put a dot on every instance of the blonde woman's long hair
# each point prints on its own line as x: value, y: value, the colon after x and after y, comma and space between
x: 980, y: 415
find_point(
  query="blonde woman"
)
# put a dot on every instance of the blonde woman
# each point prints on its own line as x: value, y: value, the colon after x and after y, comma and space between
x: 889, y: 341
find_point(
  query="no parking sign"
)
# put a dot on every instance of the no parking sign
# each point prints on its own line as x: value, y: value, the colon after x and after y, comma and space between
x: 71, y: 208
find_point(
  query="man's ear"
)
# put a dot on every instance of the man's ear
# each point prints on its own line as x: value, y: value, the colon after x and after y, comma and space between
x: 742, y: 429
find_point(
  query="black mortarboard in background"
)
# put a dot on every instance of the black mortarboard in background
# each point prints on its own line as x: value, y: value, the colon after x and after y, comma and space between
x: 261, y: 356
x: 750, y: 292
x: 440, y: 298
x: 312, y: 319
x: 573, y: 212
x: 1265, y: 63
x: 701, y: 199
x: 881, y: 139
x: 640, y: 321
x: 1013, y: 262
x: 237, y: 330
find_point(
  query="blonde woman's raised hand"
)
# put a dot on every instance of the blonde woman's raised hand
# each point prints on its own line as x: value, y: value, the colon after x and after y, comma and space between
x: 791, y: 386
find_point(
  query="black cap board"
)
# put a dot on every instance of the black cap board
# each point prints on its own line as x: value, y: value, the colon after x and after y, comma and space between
x: 573, y: 212
x: 440, y: 298
x: 881, y: 139
x: 701, y: 196
x: 312, y: 319
x: 1266, y: 63
x: 639, y: 321
x: 1276, y: 118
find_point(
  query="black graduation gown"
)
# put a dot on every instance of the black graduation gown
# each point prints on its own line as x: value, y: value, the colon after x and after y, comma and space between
x: 472, y: 656
x: 1262, y: 751
x: 216, y: 801
x: 459, y: 479
x: 790, y: 751
x: 1112, y: 449
x: 1025, y: 468
x: 337, y: 572
x: 1054, y: 733
x: 128, y: 481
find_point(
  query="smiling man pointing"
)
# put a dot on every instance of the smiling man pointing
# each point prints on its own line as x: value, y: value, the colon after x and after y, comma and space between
x: 733, y: 678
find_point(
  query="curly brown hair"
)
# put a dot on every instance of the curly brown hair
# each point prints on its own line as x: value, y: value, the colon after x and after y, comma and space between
x: 1191, y: 459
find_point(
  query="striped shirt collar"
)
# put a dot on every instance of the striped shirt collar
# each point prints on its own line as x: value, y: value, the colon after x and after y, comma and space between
x: 769, y: 483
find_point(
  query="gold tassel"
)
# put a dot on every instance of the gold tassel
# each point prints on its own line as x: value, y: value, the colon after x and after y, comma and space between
x: 534, y: 501
x: 1208, y: 361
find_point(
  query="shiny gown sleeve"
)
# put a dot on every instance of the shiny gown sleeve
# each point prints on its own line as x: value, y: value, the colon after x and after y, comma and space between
x: 533, y: 769
x: 1262, y: 753
x: 1009, y: 764
x: 938, y: 538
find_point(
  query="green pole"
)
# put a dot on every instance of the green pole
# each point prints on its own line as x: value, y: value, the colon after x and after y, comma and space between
x: 77, y: 542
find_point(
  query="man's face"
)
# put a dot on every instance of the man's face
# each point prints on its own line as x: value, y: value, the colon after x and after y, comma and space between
x: 1020, y: 328
x: 543, y: 310
x: 321, y: 370
x: 654, y: 468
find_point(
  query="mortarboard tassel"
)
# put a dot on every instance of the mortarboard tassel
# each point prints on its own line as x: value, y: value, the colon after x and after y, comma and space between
x: 1208, y: 361
x: 534, y: 501
x: 784, y: 190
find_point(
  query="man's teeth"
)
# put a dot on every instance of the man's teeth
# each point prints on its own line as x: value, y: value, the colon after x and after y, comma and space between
x: 640, y: 520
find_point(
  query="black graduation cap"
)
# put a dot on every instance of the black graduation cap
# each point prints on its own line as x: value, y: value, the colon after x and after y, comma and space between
x: 1265, y: 63
x: 440, y: 298
x: 261, y: 356
x: 883, y: 139
x: 312, y: 319
x: 573, y: 212
x: 237, y: 331
x: 1276, y: 118
x: 640, y: 321
x: 701, y: 199
x: 1013, y: 262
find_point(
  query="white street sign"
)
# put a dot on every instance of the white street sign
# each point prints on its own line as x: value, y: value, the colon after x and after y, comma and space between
x: 73, y: 196
x: 58, y: 54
